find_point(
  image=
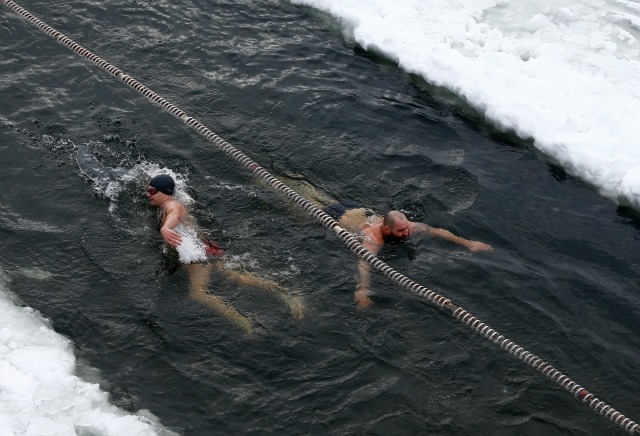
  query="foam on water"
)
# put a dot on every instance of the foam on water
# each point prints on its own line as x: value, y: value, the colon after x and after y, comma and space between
x: 128, y: 185
x: 40, y: 394
x: 191, y: 249
x: 112, y: 182
x: 565, y: 74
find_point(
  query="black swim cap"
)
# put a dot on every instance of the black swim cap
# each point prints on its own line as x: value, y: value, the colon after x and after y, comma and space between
x: 163, y: 183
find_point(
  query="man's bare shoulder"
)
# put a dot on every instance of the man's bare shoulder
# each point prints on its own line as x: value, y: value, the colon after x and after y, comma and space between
x: 171, y: 205
x: 419, y: 228
x: 174, y: 206
x: 373, y: 233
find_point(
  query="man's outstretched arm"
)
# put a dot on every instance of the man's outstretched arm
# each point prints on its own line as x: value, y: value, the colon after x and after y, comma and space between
x: 436, y: 232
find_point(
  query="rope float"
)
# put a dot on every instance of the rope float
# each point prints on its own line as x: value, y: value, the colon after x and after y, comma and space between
x: 349, y: 240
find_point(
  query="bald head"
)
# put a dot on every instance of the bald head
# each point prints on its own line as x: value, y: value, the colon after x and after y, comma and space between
x: 395, y: 227
x: 393, y: 218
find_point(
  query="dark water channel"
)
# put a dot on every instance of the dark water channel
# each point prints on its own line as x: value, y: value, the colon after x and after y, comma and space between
x: 279, y: 82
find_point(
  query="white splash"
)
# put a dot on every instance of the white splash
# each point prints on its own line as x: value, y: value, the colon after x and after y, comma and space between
x: 191, y: 248
x: 111, y: 182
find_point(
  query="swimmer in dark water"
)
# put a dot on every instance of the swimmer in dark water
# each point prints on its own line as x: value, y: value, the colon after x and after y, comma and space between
x: 201, y: 258
x: 375, y: 230
x: 392, y: 228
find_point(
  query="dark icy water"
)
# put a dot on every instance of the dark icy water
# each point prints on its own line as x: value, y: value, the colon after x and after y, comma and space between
x: 279, y: 82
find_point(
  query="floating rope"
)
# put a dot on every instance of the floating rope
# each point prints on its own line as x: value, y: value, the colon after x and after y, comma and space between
x: 349, y: 240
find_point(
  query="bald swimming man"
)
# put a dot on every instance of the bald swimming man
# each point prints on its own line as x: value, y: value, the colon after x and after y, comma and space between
x: 374, y: 230
x: 394, y: 227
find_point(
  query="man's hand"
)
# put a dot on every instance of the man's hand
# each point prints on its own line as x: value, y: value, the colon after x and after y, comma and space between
x: 170, y: 237
x: 478, y: 246
x: 362, y: 297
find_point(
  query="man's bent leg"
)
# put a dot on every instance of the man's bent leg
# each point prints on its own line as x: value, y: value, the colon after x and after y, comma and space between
x: 199, y: 274
x: 294, y: 302
x: 304, y: 188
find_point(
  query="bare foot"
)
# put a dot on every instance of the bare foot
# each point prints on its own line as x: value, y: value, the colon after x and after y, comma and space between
x: 244, y: 324
x: 296, y: 304
x: 363, y: 300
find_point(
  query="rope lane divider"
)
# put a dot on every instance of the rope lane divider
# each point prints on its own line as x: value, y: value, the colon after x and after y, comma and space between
x: 352, y: 243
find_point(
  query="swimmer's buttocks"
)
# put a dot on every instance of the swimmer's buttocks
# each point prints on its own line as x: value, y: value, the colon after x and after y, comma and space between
x: 213, y: 249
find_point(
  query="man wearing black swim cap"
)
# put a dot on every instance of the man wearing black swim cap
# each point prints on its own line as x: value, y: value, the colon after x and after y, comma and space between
x: 160, y: 193
x: 163, y: 183
x: 174, y: 216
